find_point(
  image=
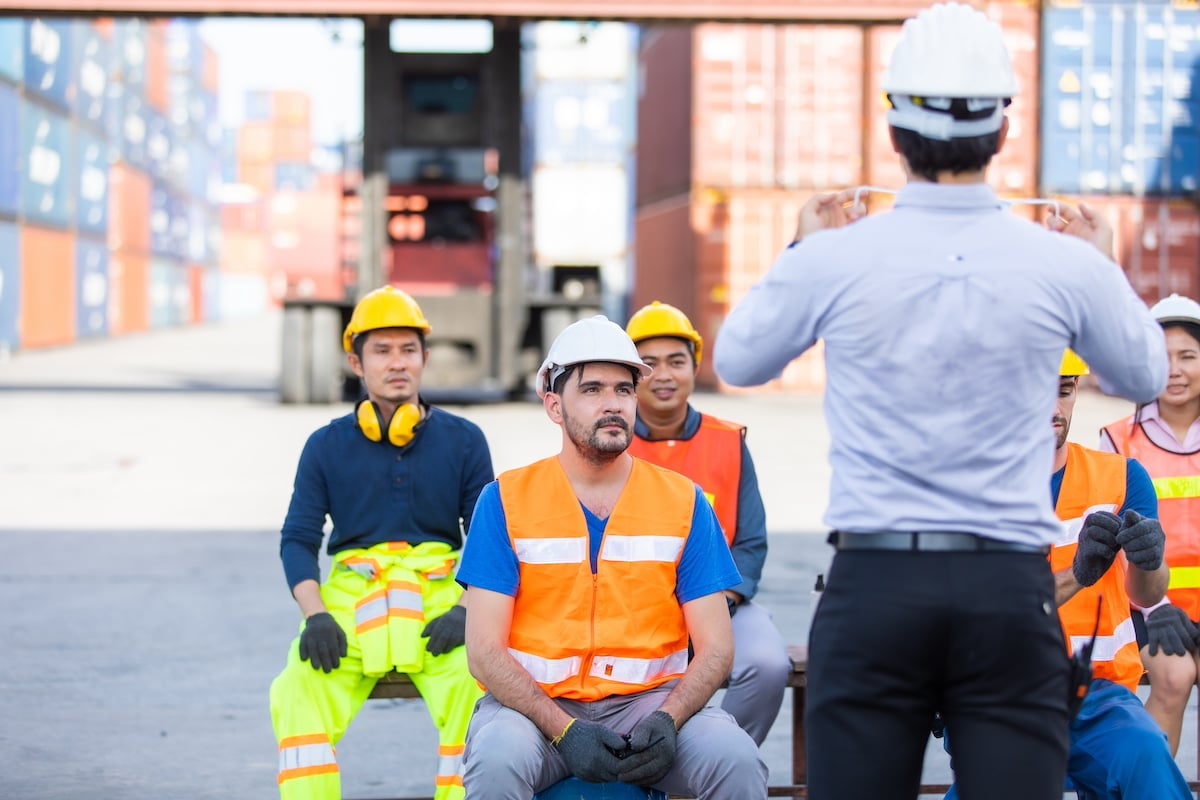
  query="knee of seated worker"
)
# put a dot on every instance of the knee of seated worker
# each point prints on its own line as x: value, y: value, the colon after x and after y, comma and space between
x: 1171, y: 677
x: 729, y: 750
x: 506, y: 740
x: 1142, y: 748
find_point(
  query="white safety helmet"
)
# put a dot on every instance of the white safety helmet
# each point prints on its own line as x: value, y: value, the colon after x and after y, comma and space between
x: 949, y: 51
x: 1176, y: 308
x: 585, y: 341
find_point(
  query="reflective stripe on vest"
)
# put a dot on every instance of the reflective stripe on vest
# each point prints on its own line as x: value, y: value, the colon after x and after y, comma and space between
x: 304, y: 756
x: 450, y: 766
x: 1176, y: 478
x: 1095, y: 481
x: 584, y: 635
x: 400, y: 599
x: 712, y: 458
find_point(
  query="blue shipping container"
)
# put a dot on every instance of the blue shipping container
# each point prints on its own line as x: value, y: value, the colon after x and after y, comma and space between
x: 582, y: 121
x: 158, y: 143
x: 1121, y: 99
x: 10, y: 286
x: 93, y: 56
x: 196, y: 251
x: 45, y: 156
x: 128, y: 65
x: 10, y: 148
x: 133, y: 133
x: 91, y: 293
x: 91, y: 182
x: 49, y: 60
x: 170, y: 293
x: 12, y: 48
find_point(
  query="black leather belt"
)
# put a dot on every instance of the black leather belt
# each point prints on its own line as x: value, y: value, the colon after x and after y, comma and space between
x: 929, y: 542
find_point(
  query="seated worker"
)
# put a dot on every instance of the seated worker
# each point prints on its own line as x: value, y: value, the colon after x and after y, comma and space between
x: 713, y: 453
x: 398, y: 479
x: 586, y: 573
x: 1108, y: 504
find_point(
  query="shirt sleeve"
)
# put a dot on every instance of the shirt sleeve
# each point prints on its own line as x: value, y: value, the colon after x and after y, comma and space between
x: 304, y: 525
x: 750, y: 541
x: 706, y: 566
x: 488, y: 560
x: 477, y: 472
x: 1139, y: 490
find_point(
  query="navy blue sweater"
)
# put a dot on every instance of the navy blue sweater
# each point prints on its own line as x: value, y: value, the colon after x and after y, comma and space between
x: 376, y: 492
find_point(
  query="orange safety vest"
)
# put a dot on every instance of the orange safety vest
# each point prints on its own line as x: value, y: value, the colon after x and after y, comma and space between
x: 620, y: 631
x: 1095, y: 481
x: 712, y: 458
x: 1176, y: 478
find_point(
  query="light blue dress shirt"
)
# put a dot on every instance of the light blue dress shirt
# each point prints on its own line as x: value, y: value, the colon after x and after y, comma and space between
x: 944, y: 322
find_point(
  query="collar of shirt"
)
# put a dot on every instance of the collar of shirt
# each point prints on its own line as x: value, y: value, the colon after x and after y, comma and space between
x: 691, y: 425
x: 957, y: 196
x: 1162, y: 435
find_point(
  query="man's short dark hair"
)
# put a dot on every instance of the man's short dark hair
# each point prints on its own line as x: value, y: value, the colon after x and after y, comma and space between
x: 927, y: 157
x: 360, y: 341
x: 560, y: 382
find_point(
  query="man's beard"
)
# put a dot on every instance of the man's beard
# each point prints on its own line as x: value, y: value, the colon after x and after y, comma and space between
x: 1060, y: 438
x: 597, y: 449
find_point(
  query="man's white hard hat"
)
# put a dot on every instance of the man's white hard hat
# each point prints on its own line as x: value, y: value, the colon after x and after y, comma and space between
x: 951, y: 50
x: 589, y: 340
x: 1176, y: 308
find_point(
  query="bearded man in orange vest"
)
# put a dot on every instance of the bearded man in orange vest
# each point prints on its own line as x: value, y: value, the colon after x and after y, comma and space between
x: 1102, y: 562
x: 586, y: 574
x: 713, y: 453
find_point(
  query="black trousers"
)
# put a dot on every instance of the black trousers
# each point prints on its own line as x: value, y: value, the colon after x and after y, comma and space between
x: 899, y: 636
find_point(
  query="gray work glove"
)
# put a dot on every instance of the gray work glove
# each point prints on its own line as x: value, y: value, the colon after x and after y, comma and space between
x: 447, y: 631
x: 1143, y: 541
x: 1169, y: 629
x: 1097, y: 547
x: 590, y: 750
x: 651, y: 750
x: 322, y: 642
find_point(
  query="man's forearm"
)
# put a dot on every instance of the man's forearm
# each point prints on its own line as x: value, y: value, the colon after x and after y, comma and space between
x: 706, y: 673
x: 1065, y: 587
x: 1145, y: 588
x: 508, y: 682
x: 308, y: 597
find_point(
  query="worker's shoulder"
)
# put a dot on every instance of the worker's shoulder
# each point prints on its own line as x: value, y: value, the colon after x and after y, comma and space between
x: 1077, y: 452
x: 718, y: 423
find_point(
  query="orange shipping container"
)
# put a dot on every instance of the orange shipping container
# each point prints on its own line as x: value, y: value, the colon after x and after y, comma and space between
x: 244, y: 253
x: 157, y: 65
x: 291, y: 109
x: 259, y: 175
x: 211, y: 77
x: 128, y: 209
x: 292, y: 143
x: 129, y: 292
x: 47, y: 287
x: 256, y: 143
x: 196, y: 279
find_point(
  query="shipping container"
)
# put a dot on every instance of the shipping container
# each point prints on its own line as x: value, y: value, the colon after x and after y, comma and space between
x: 1157, y: 242
x: 128, y: 292
x: 196, y: 313
x: 91, y: 298
x: 12, y: 48
x: 291, y: 109
x: 10, y: 287
x: 581, y: 214
x: 10, y: 151
x: 196, y: 250
x: 665, y: 254
x: 581, y: 51
x: 128, y: 209
x: 157, y: 65
x: 129, y: 56
x: 46, y: 187
x: 256, y: 143
x: 47, y: 287
x: 93, y: 57
x: 211, y: 75
x: 211, y: 295
x: 170, y: 293
x: 49, y: 61
x: 168, y: 222
x: 185, y: 48
x: 291, y: 143
x: 582, y: 122
x: 243, y: 252
x: 241, y: 296
x: 158, y: 144
x: 294, y: 177
x: 260, y: 108
x: 1122, y: 108
x: 132, y: 126
x: 90, y: 164
x: 664, y: 118
x: 304, y: 244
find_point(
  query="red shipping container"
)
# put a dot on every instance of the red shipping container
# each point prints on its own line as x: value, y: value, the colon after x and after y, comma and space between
x: 249, y: 216
x: 292, y: 109
x: 292, y: 143
x: 1157, y: 243
x: 157, y: 65
x: 244, y: 253
x: 261, y: 176
x: 47, y: 287
x: 128, y: 292
x: 664, y: 118
x: 664, y: 249
x: 256, y: 143
x: 128, y: 209
x: 210, y: 79
x: 196, y: 279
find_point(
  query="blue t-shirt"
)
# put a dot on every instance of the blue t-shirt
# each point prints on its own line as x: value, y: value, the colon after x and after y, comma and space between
x: 488, y: 561
x: 1139, y: 490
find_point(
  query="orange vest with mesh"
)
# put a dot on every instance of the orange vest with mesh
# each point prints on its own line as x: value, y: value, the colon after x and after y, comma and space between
x: 619, y: 631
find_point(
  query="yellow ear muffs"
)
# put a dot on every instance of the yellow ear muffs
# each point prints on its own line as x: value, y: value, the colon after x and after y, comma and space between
x: 401, y: 428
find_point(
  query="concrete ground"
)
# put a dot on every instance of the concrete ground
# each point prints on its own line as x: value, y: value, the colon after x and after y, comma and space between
x: 144, y: 612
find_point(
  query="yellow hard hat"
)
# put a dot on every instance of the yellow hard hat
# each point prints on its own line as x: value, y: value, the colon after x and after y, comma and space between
x: 1072, y: 365
x: 661, y: 319
x: 388, y: 307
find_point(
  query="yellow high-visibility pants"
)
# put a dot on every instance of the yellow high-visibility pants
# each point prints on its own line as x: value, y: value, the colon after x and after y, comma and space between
x: 311, y: 710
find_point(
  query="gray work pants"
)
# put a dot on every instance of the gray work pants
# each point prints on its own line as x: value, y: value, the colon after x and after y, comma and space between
x: 761, y: 668
x: 508, y: 758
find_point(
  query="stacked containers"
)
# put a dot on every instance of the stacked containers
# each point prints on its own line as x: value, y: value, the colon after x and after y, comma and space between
x: 740, y: 124
x: 580, y: 104
x: 12, y: 36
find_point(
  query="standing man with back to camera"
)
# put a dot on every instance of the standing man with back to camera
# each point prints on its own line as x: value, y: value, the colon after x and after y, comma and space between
x: 940, y: 596
x: 398, y: 478
x: 713, y: 453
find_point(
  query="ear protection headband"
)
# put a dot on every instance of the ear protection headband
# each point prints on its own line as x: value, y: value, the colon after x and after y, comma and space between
x: 400, y: 428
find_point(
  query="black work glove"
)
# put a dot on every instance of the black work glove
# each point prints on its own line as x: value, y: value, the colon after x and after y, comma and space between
x: 1169, y: 629
x: 447, y: 631
x: 590, y: 750
x: 651, y: 750
x: 1097, y: 547
x: 1143, y: 541
x: 322, y: 642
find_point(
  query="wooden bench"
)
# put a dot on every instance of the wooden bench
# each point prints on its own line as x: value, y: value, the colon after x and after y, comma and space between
x: 397, y: 685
